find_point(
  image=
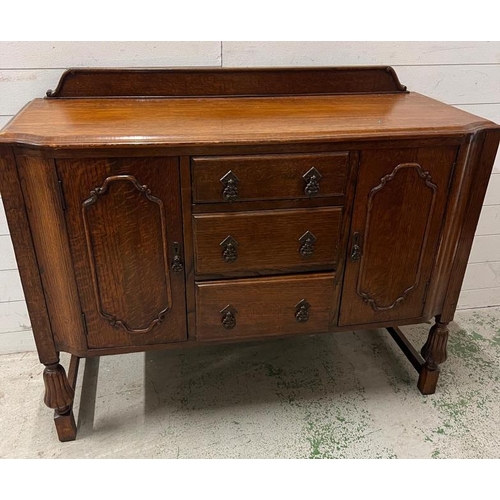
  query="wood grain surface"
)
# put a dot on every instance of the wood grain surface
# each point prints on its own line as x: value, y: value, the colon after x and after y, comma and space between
x: 70, y: 123
x: 398, y: 210
x: 268, y: 177
x: 27, y: 261
x: 267, y: 241
x: 123, y: 245
x: 44, y: 208
x: 265, y: 306
x: 192, y: 82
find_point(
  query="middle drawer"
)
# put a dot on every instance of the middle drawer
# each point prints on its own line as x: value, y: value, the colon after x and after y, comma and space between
x: 267, y: 241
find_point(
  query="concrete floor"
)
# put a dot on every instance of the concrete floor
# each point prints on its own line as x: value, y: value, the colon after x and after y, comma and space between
x: 347, y: 395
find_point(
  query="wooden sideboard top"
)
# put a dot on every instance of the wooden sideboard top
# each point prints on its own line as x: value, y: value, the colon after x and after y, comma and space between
x: 68, y: 123
x: 93, y: 108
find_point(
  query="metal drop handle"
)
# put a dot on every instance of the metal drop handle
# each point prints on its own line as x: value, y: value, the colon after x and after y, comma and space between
x: 177, y: 266
x: 307, y: 241
x: 302, y: 311
x: 356, y: 251
x: 230, y: 182
x: 228, y: 317
x: 229, y: 249
x: 312, y: 178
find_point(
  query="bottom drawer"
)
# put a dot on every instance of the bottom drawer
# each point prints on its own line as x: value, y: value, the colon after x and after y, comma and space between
x: 264, y: 306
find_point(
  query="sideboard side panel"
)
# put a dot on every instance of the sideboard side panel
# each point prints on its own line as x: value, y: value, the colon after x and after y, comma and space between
x: 456, y: 207
x: 44, y: 208
x: 480, y: 170
x: 20, y: 232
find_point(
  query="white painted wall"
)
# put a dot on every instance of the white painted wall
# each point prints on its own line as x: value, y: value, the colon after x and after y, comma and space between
x: 464, y: 74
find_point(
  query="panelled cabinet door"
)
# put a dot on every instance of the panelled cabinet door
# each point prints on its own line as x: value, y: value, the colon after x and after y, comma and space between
x: 125, y: 228
x: 398, y: 210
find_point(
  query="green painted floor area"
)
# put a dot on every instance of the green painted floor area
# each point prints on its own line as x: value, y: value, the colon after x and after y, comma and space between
x: 347, y: 395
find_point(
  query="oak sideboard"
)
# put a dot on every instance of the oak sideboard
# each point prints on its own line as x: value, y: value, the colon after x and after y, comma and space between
x: 163, y: 208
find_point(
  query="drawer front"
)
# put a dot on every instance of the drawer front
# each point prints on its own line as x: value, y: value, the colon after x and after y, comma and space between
x: 267, y: 241
x: 268, y: 177
x: 264, y: 306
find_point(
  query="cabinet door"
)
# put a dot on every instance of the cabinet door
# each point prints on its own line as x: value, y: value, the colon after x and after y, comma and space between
x: 398, y: 210
x: 125, y: 229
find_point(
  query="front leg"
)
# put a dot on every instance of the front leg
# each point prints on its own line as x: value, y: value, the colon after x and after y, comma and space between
x: 59, y: 395
x: 434, y: 353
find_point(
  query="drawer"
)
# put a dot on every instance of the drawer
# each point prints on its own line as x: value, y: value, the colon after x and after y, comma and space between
x: 267, y: 241
x: 268, y: 177
x: 256, y: 307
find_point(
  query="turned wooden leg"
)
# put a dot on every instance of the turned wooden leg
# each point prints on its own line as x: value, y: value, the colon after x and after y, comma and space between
x: 434, y: 353
x: 59, y: 395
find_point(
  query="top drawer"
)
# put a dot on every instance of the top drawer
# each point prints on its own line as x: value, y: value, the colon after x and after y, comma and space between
x: 268, y: 177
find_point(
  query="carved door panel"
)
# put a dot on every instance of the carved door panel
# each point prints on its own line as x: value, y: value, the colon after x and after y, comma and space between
x: 125, y: 229
x: 398, y: 210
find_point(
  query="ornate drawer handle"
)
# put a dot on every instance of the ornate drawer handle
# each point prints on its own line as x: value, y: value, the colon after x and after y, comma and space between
x: 302, y: 311
x: 230, y: 183
x: 356, y: 251
x: 307, y: 241
x: 312, y: 178
x: 229, y: 249
x: 177, y: 265
x: 228, y: 318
